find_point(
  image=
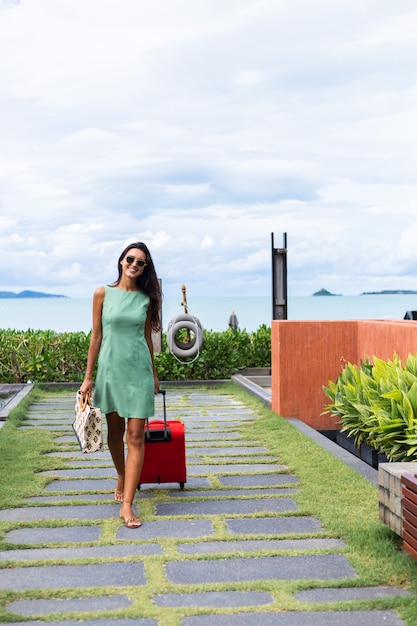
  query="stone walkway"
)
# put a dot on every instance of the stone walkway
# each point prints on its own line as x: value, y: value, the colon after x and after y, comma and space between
x: 222, y: 552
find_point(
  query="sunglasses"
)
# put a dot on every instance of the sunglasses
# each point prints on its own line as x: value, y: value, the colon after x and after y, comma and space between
x: 139, y: 262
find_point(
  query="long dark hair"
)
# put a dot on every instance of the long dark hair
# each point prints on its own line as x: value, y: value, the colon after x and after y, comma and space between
x: 147, y: 282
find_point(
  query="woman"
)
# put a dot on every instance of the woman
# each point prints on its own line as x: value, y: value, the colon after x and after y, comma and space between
x: 124, y: 315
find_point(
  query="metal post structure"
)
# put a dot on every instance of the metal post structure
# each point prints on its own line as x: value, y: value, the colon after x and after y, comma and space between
x: 279, y: 280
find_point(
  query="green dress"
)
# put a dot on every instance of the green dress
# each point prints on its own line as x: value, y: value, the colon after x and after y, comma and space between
x: 124, y: 381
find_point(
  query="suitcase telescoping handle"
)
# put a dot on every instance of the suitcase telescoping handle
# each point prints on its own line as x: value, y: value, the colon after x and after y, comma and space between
x: 159, y: 435
x: 163, y: 394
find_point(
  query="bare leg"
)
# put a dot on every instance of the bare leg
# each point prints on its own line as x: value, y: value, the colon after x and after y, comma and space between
x: 115, y: 442
x: 134, y: 464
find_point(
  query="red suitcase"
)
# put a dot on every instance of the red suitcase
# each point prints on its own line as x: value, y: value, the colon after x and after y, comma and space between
x: 164, y: 451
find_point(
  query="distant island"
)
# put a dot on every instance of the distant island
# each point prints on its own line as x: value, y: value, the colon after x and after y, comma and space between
x: 385, y: 292
x: 389, y: 292
x: 324, y: 292
x: 29, y: 294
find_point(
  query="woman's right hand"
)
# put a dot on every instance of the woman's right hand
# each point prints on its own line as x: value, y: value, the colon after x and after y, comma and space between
x: 86, y: 387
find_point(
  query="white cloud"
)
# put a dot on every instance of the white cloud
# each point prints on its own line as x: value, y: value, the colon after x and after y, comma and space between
x: 200, y: 128
x: 207, y: 242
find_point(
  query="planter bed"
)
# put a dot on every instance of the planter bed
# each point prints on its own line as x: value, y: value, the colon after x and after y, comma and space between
x: 366, y: 453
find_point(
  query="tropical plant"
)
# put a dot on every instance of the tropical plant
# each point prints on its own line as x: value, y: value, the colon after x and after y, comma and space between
x: 376, y: 404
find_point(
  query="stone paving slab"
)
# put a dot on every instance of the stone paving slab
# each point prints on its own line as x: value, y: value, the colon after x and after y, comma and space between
x: 259, y: 480
x: 231, y: 450
x: 228, y: 507
x: 99, y: 552
x: 78, y: 460
x: 90, y: 463
x: 254, y: 545
x: 73, y: 605
x: 43, y: 426
x: 84, y: 512
x: 86, y: 497
x: 192, y: 470
x: 194, y: 436
x: 349, y: 594
x: 235, y: 468
x: 49, y: 417
x: 274, y: 525
x: 301, y: 567
x: 72, y: 454
x: 207, y: 421
x: 298, y: 618
x: 213, y: 423
x: 214, y: 599
x: 210, y: 417
x: 47, y: 412
x: 230, y: 459
x: 200, y: 397
x: 82, y: 485
x: 83, y: 472
x: 137, y: 621
x: 67, y: 534
x: 53, y: 404
x: 109, y: 484
x: 230, y: 493
x: 171, y: 528
x: 64, y: 438
x: 118, y: 574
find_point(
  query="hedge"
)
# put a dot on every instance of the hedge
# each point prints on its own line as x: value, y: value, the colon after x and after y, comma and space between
x: 48, y: 356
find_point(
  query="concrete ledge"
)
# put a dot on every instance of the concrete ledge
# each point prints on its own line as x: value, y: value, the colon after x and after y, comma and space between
x: 19, y: 391
x: 257, y: 382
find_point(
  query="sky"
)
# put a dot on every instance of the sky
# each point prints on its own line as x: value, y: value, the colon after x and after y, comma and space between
x: 202, y: 127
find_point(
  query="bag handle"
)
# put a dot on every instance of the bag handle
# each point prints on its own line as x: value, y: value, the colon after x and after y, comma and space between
x: 84, y: 400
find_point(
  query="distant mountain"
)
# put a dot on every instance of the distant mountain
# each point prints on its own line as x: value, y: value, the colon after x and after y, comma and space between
x: 324, y: 292
x: 29, y: 294
x: 389, y: 292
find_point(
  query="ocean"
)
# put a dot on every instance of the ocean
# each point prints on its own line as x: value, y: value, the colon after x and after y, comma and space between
x: 74, y: 314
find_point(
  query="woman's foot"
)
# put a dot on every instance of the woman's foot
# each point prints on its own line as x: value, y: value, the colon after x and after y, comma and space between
x: 127, y: 515
x: 118, y: 496
x: 118, y: 492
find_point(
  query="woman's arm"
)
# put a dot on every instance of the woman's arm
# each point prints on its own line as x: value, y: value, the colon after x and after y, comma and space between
x: 148, y: 337
x: 95, y: 341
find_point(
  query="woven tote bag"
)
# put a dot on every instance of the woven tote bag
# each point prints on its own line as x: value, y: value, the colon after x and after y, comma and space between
x: 87, y: 424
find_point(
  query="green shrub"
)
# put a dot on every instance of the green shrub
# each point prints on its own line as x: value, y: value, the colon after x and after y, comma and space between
x: 377, y: 405
x: 42, y: 356
x: 47, y: 356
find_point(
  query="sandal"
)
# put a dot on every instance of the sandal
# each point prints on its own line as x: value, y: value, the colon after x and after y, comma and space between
x: 130, y: 522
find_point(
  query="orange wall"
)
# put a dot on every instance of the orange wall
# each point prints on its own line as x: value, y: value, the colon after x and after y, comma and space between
x: 307, y: 354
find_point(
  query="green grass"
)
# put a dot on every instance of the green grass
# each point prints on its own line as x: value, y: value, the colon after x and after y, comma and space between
x: 344, y: 502
x: 21, y: 455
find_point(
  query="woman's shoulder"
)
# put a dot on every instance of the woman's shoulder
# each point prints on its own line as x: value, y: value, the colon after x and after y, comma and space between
x: 100, y: 292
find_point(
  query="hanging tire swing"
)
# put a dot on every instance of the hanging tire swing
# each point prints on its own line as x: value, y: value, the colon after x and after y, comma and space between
x: 189, y: 347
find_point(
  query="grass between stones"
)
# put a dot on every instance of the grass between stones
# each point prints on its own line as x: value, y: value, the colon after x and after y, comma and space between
x: 344, y: 502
